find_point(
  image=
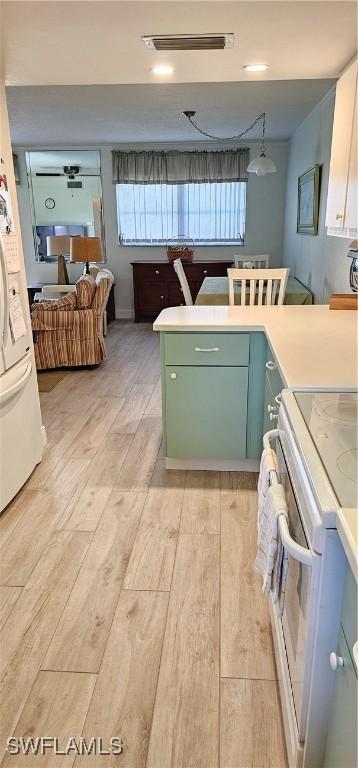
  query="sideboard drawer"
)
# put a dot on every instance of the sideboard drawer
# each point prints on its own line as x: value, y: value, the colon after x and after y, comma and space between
x: 207, y: 349
x: 157, y: 271
x: 197, y: 271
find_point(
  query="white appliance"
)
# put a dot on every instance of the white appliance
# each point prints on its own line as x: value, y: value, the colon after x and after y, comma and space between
x: 20, y: 417
x: 316, y: 448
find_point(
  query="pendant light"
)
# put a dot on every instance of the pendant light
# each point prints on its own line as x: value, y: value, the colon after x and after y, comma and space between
x: 261, y: 165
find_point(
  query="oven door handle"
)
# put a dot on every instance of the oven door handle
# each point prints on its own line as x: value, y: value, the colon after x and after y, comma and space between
x: 271, y: 435
x: 302, y: 554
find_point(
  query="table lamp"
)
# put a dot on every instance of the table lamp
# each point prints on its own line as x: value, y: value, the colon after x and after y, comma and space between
x: 85, y: 250
x: 59, y: 245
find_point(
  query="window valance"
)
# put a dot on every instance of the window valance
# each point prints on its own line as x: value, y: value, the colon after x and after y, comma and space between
x: 179, y: 167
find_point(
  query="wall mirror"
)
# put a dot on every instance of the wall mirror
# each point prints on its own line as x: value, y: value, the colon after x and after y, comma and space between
x: 66, y: 196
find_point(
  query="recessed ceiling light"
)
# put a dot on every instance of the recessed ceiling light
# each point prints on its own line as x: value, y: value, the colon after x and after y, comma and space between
x: 163, y: 69
x: 255, y: 67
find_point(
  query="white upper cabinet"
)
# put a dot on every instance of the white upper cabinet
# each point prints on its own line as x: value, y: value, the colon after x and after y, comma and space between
x: 341, y: 215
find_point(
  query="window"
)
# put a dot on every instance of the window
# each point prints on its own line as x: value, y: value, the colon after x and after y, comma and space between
x: 150, y: 214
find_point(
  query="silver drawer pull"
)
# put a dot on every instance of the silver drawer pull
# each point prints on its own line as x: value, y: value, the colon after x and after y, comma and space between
x: 157, y: 271
x: 210, y: 349
x: 270, y: 365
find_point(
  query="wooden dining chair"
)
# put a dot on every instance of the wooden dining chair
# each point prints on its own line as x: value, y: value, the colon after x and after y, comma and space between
x: 183, y: 282
x: 251, y: 262
x: 260, y: 286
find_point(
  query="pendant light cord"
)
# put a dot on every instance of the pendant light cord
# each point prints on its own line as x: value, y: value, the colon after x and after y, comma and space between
x: 231, y: 138
x: 263, y: 115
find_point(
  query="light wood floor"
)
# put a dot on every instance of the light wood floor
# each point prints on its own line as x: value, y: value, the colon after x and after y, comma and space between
x: 128, y: 602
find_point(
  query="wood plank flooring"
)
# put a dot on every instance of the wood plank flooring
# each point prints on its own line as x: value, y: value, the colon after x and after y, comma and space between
x: 129, y: 606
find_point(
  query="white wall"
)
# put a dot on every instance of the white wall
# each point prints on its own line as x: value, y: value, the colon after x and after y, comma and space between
x: 72, y: 206
x: 264, y: 226
x: 318, y: 261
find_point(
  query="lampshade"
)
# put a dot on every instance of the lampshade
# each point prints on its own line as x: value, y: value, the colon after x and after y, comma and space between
x: 86, y: 249
x: 261, y: 165
x: 58, y: 245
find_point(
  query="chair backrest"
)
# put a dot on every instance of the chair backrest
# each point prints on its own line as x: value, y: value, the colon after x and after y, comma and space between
x: 104, y: 281
x: 251, y: 262
x: 183, y: 282
x: 258, y: 286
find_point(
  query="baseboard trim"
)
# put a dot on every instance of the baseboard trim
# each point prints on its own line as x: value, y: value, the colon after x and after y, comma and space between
x: 124, y: 314
x: 235, y: 465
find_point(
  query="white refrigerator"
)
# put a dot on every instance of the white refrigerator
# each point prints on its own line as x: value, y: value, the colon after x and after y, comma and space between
x: 20, y: 417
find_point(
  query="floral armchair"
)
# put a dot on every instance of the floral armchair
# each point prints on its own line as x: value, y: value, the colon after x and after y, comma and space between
x: 69, y: 331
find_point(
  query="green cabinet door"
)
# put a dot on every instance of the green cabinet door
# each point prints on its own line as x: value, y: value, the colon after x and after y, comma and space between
x: 273, y: 374
x: 206, y: 412
x: 268, y: 401
x: 341, y: 749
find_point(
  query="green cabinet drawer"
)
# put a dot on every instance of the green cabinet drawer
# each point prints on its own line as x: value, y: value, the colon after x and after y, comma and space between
x: 207, y: 349
x: 206, y: 412
x: 349, y: 609
x: 341, y: 748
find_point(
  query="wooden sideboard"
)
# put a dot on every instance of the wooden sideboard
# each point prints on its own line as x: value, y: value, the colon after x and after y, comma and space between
x: 156, y: 285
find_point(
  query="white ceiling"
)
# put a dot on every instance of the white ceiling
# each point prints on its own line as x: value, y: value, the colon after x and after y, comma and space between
x: 114, y: 114
x: 67, y: 43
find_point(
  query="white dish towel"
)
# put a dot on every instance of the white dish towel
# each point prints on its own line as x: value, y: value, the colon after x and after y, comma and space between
x: 268, y: 464
x: 270, y: 558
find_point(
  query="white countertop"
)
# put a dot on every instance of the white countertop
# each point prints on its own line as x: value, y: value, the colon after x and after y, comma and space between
x: 314, y: 347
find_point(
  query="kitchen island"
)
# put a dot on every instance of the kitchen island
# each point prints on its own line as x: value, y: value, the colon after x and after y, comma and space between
x: 223, y: 369
x: 314, y: 347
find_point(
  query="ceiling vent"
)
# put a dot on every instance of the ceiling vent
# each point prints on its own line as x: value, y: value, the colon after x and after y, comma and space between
x: 189, y: 42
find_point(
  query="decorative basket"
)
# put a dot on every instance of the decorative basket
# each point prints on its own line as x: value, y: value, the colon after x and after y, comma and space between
x: 180, y: 248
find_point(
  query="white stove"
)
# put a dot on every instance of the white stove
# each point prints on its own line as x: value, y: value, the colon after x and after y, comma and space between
x: 332, y: 421
x: 316, y: 444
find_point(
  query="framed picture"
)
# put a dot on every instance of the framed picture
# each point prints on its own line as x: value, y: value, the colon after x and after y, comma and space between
x: 308, y: 201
